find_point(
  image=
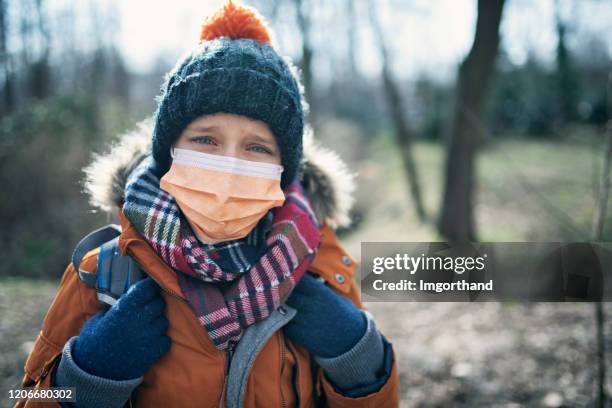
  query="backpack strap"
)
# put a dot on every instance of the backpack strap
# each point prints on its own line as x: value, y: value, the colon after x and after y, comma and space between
x: 116, y: 273
x: 91, y: 241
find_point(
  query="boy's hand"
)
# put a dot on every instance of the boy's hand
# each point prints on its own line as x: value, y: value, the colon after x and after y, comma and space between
x: 123, y: 341
x: 326, y: 324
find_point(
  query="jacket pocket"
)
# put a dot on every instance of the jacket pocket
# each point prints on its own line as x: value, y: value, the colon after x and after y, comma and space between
x: 41, y: 359
x: 38, y: 367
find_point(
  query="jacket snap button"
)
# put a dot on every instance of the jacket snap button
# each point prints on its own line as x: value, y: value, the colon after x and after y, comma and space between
x: 346, y: 260
x: 339, y: 278
x: 282, y: 310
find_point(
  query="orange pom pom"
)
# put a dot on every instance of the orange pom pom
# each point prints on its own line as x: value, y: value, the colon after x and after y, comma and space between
x: 235, y: 21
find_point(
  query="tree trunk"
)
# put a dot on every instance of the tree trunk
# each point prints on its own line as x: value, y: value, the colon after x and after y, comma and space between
x: 352, y: 38
x: 39, y: 81
x: 456, y: 216
x: 566, y: 75
x: 306, y: 63
x: 404, y: 134
x: 7, y: 103
x: 598, y: 235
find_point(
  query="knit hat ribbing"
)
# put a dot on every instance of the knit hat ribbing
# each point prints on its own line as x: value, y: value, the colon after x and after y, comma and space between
x: 234, y: 69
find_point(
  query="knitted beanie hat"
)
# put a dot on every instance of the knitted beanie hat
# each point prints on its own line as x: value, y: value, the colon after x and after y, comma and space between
x: 234, y: 69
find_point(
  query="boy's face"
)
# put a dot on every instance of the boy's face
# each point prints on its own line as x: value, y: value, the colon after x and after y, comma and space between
x: 231, y: 135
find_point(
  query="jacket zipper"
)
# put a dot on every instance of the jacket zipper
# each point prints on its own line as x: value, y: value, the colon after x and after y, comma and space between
x: 282, y: 353
x: 228, y: 360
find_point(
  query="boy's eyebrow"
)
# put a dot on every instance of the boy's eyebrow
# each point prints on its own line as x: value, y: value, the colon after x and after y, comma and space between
x: 260, y: 138
x: 202, y: 128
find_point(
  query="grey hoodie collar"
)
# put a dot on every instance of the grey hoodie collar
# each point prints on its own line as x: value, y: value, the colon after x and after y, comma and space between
x: 253, y: 339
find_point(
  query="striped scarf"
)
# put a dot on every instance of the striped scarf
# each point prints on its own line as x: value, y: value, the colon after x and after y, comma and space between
x: 232, y: 284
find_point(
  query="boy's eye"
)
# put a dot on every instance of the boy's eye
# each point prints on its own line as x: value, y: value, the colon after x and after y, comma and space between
x: 203, y: 140
x: 260, y: 149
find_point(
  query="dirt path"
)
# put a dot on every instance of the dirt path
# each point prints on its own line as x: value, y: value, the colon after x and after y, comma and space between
x: 23, y: 305
x: 492, y: 355
x: 449, y: 354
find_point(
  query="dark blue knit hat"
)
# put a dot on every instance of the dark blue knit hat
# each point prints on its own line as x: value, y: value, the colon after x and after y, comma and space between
x: 235, y: 69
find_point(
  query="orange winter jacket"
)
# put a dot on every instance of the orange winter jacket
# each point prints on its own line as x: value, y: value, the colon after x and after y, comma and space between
x: 193, y: 372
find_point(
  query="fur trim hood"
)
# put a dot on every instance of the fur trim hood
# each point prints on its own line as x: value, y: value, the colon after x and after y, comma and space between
x: 326, y: 179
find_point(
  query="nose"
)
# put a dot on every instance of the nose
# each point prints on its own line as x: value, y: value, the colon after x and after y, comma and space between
x: 230, y: 149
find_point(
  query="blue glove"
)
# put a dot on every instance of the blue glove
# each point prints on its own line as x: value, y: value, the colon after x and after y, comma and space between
x: 123, y: 341
x: 326, y: 324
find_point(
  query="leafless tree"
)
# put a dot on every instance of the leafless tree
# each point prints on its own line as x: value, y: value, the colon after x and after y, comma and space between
x: 351, y: 48
x: 403, y: 132
x: 8, y: 93
x: 39, y: 82
x: 598, y: 230
x: 304, y: 24
x: 456, y: 221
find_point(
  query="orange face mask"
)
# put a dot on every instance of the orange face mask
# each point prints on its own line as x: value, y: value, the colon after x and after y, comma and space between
x: 222, y: 197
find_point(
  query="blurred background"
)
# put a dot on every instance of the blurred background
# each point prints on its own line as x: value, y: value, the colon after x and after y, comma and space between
x: 462, y: 119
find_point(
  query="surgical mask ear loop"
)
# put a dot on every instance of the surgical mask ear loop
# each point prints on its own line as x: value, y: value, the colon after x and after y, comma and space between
x: 172, y: 154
